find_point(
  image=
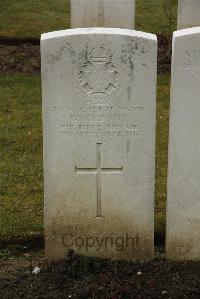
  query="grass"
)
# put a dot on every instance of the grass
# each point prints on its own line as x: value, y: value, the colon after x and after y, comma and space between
x: 21, y: 174
x: 30, y: 18
x: 151, y: 16
x: 21, y: 187
x: 163, y: 98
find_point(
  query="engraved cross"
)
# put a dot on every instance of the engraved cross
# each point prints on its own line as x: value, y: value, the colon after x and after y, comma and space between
x: 98, y: 170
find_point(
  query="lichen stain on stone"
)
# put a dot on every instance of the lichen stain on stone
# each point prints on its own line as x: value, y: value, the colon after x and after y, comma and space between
x: 127, y: 57
x: 129, y: 93
x: 63, y: 50
x: 131, y: 68
x: 127, y: 146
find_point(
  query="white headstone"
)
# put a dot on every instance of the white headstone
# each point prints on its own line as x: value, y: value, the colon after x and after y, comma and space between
x: 183, y: 211
x: 99, y: 106
x: 103, y: 13
x: 188, y: 13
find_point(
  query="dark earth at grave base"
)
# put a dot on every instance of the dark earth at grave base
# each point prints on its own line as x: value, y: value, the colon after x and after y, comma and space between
x: 23, y: 56
x: 81, y: 277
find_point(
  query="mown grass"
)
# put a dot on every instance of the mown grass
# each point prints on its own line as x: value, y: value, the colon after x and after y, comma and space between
x: 30, y: 18
x: 21, y: 171
x: 153, y: 16
x: 21, y: 187
x: 163, y: 100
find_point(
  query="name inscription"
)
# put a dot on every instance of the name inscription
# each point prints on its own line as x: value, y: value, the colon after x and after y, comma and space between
x: 99, y: 121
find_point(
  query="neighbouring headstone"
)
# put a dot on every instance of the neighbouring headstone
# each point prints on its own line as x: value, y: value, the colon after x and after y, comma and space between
x: 99, y: 106
x: 103, y: 13
x: 183, y: 208
x: 188, y: 13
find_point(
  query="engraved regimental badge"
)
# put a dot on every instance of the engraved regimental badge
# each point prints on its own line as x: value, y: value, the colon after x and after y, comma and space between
x: 97, y: 76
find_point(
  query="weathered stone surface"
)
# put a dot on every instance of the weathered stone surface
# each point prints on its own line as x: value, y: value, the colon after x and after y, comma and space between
x: 99, y: 104
x: 103, y: 13
x: 188, y: 13
x: 183, y: 212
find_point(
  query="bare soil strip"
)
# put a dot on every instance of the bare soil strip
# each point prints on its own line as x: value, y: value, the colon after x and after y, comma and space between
x: 23, y: 56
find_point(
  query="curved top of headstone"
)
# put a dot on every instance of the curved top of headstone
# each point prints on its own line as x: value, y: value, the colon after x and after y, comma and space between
x: 187, y: 31
x: 98, y: 30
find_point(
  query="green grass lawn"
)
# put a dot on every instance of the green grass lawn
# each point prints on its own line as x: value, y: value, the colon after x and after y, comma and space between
x: 21, y: 187
x: 151, y: 16
x: 21, y: 174
x: 30, y: 18
x: 163, y: 100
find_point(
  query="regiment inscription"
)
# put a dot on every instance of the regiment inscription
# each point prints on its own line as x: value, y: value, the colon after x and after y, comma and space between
x: 99, y: 121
